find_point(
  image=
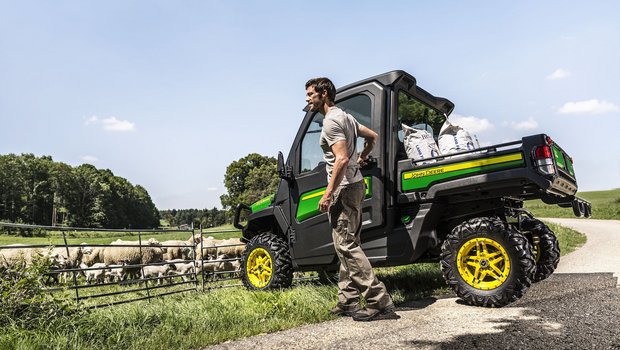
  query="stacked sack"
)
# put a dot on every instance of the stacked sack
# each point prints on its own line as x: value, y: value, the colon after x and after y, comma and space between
x: 420, y: 144
x: 453, y: 138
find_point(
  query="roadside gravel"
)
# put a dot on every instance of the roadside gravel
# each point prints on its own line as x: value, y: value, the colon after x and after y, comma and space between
x: 576, y: 308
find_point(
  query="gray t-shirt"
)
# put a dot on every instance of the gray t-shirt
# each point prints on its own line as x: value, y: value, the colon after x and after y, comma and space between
x: 339, y: 125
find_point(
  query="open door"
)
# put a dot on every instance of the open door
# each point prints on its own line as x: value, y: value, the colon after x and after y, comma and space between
x: 313, y: 244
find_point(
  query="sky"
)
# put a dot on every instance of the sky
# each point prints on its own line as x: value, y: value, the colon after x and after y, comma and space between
x: 168, y: 93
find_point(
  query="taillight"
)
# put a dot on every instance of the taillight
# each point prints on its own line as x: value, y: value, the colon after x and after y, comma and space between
x: 544, y: 160
x: 542, y: 152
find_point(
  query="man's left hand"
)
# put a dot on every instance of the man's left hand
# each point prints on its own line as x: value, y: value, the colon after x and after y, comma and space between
x: 324, y: 203
x: 362, y: 161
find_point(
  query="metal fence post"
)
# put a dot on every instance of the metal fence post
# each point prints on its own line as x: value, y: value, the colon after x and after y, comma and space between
x: 146, y: 282
x: 77, y: 293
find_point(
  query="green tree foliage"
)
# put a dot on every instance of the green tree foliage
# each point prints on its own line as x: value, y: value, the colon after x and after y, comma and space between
x: 37, y: 190
x: 199, y: 217
x: 412, y: 112
x: 249, y: 179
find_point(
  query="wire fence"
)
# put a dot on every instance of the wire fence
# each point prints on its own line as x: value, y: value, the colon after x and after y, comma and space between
x: 154, y: 263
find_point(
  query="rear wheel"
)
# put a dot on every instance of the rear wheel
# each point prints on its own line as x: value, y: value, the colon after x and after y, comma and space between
x: 545, y: 247
x: 487, y: 262
x: 266, y: 263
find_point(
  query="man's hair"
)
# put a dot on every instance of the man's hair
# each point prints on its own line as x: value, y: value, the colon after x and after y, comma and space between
x: 323, y: 84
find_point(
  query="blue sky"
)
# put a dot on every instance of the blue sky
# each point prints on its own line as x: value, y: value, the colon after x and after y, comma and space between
x: 168, y: 93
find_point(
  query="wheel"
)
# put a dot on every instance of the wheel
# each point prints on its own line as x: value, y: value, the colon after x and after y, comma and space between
x: 266, y: 263
x: 545, y: 247
x: 487, y: 262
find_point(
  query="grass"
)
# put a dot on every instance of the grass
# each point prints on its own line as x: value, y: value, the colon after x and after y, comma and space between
x: 605, y: 205
x: 195, y: 319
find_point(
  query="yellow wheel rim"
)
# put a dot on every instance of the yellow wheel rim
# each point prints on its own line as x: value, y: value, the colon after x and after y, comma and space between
x: 259, y: 268
x: 536, y: 251
x: 483, y: 263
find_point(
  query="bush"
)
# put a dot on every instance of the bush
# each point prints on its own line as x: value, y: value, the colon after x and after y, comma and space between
x: 24, y: 303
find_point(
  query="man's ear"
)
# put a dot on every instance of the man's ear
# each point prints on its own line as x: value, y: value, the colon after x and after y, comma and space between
x: 324, y: 96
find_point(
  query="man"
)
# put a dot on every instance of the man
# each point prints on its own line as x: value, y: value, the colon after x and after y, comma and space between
x: 343, y: 201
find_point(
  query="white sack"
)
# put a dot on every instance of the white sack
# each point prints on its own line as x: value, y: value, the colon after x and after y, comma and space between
x: 419, y: 144
x: 453, y: 138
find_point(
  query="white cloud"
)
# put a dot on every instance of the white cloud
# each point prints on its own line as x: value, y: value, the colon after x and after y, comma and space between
x: 211, y: 188
x: 471, y: 124
x: 111, y: 124
x: 528, y: 124
x: 558, y: 74
x: 593, y: 106
x: 90, y: 159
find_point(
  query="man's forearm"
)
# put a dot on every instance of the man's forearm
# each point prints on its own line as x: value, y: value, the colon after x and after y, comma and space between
x: 369, y: 144
x: 340, y: 166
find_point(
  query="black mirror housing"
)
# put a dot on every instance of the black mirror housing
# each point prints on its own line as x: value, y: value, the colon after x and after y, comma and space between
x: 283, y: 170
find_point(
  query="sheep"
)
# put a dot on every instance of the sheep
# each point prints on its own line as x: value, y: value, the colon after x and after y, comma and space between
x: 235, y: 247
x: 178, y: 252
x: 11, y: 256
x: 73, y: 260
x: 97, y: 275
x: 208, y: 247
x: 206, y: 266
x: 159, y: 271
x: 225, y: 264
x: 182, y: 267
x: 150, y: 252
x: 115, y: 273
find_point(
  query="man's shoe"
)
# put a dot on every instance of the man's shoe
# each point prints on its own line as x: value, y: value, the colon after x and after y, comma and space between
x: 387, y: 313
x: 341, y: 311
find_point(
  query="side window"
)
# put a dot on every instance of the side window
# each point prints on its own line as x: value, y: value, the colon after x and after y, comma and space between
x: 359, y: 106
x: 417, y: 115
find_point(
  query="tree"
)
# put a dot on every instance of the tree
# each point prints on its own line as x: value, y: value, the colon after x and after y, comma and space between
x: 33, y: 189
x: 249, y: 179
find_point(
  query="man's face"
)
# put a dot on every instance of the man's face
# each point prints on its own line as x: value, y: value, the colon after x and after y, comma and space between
x: 314, y: 99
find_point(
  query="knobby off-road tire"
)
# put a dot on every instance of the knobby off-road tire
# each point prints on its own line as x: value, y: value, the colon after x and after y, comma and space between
x: 546, y: 251
x: 487, y: 262
x: 267, y: 263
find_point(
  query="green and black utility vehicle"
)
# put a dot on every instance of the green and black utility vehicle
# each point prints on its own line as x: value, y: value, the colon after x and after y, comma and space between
x: 463, y: 209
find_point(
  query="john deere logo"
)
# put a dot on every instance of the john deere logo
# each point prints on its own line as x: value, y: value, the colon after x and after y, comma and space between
x: 424, y: 173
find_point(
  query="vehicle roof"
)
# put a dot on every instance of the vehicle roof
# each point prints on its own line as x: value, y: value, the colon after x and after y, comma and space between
x: 390, y: 78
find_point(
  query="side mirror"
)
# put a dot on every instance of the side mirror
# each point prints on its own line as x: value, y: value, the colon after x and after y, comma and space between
x: 283, y: 171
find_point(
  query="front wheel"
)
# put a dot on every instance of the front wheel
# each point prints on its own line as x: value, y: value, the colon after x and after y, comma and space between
x: 487, y: 262
x: 266, y: 263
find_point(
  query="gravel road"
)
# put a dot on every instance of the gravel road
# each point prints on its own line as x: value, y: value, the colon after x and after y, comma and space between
x: 576, y: 308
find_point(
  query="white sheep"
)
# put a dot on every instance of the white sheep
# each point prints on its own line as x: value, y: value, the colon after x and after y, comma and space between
x: 11, y: 256
x: 159, y: 271
x: 182, y: 267
x: 72, y: 261
x: 115, y: 273
x: 150, y: 252
x: 97, y: 275
x: 183, y: 252
x: 226, y: 264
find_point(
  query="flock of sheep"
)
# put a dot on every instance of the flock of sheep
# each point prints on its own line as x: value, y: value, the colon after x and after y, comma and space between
x: 131, y: 261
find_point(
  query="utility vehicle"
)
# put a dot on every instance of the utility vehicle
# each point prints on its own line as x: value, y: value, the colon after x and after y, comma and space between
x: 464, y: 209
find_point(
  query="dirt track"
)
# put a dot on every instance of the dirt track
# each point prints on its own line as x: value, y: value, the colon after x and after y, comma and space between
x: 576, y: 308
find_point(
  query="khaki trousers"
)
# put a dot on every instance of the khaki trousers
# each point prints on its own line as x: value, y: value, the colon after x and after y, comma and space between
x: 356, y: 276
